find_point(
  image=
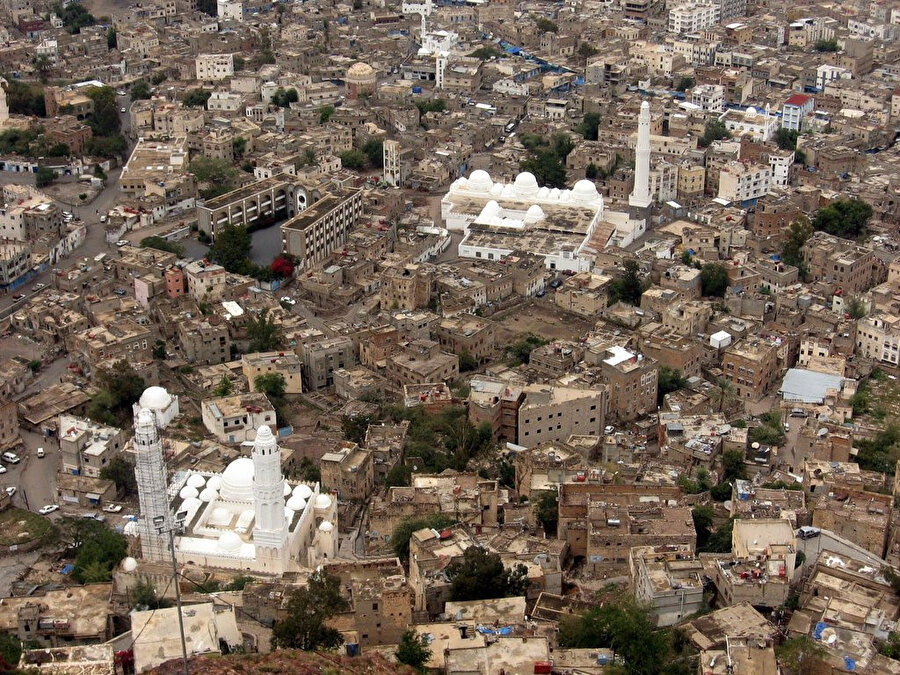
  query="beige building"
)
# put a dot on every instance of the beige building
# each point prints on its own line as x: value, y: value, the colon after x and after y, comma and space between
x: 314, y: 233
x: 862, y: 517
x: 551, y: 413
x: 124, y: 340
x: 321, y: 358
x: 9, y: 424
x: 466, y: 334
x: 421, y: 362
x: 585, y: 294
x: 409, y: 287
x: 348, y: 472
x: 214, y: 67
x: 878, y: 338
x: 286, y: 364
x: 752, y: 367
x: 631, y: 382
x: 668, y: 579
x: 840, y: 263
x: 86, y: 446
x: 235, y: 419
x: 205, y: 340
x: 205, y: 281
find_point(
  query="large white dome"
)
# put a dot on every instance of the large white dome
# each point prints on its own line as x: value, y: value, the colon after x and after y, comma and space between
x: 534, y: 214
x: 584, y: 190
x: 214, y: 482
x: 237, y: 480
x: 296, y: 503
x: 187, y: 491
x: 229, y: 542
x: 323, y: 501
x: 526, y: 184
x: 195, y: 480
x: 208, y: 495
x: 155, y: 398
x: 480, y: 181
x: 303, y: 491
x: 129, y: 564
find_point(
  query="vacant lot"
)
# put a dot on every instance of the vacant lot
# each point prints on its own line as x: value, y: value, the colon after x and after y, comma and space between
x: 884, y: 396
x: 542, y: 318
x: 18, y: 527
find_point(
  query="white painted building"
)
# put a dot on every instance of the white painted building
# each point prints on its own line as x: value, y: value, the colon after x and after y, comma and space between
x: 230, y: 10
x: 795, y: 110
x: 827, y: 73
x: 759, y: 125
x: 740, y: 182
x: 214, y: 67
x: 693, y: 17
x: 709, y: 97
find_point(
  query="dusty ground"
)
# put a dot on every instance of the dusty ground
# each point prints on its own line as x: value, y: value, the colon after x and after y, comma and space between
x: 542, y: 318
x: 287, y: 661
x: 884, y: 395
x: 19, y: 345
x: 68, y: 192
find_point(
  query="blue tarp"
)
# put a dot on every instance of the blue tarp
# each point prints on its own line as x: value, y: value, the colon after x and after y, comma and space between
x: 67, y: 569
x: 849, y: 664
x: 820, y: 626
x: 484, y: 630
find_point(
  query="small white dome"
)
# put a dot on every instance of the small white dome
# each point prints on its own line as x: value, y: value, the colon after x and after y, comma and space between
x: 155, y: 398
x: 129, y: 564
x: 491, y: 210
x: 220, y: 517
x: 480, y: 181
x: 237, y: 480
x: 323, y: 501
x: 130, y: 529
x: 751, y: 112
x: 195, y: 480
x: 303, y: 490
x: 296, y: 503
x: 230, y: 542
x: 584, y: 190
x: 325, y: 526
x: 188, y: 491
x: 215, y: 482
x: 534, y: 214
x: 286, y: 490
x: 288, y: 513
x: 526, y: 184
x: 191, y: 504
x: 208, y: 495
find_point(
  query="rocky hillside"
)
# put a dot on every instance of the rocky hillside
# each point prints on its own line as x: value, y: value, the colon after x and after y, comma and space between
x: 288, y: 662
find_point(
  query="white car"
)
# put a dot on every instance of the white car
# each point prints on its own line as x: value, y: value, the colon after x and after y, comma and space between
x: 288, y: 300
x: 112, y: 508
x: 121, y: 92
x: 123, y: 110
x: 11, y: 490
x: 40, y: 452
x: 50, y: 508
x: 122, y: 242
x: 2, y: 469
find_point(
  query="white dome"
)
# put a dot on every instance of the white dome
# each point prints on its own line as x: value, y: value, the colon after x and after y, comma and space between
x: 195, y: 480
x: 325, y: 526
x: 491, y: 210
x: 480, y: 181
x: 534, y: 214
x: 230, y: 542
x: 155, y: 398
x: 303, y: 490
x: 584, y: 190
x: 215, y: 482
x: 237, y: 480
x: 220, y: 517
x: 323, y: 501
x: 208, y: 495
x: 751, y: 112
x: 526, y: 184
x: 296, y: 503
x: 130, y: 529
x: 187, y: 491
x: 287, y: 489
x: 129, y: 564
x: 288, y: 513
x: 191, y: 504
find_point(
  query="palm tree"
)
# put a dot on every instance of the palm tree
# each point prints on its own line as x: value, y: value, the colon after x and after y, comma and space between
x: 724, y: 391
x: 95, y: 572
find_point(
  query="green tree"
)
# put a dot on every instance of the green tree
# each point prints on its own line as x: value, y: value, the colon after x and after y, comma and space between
x: 354, y: 427
x: 703, y: 521
x: 120, y: 472
x: 713, y: 280
x: 843, y: 218
x: 264, y: 334
x: 589, y: 126
x: 787, y: 138
x: 25, y: 98
x: 105, y: 120
x: 161, y: 244
x: 800, y: 655
x: 224, y: 388
x: 881, y: 452
x: 218, y: 173
x: 546, y: 510
x: 74, y: 16
x: 144, y: 596
x: 669, y: 380
x: 308, y: 610
x: 44, y: 176
x: 628, y: 286
x: 720, y: 540
x: 113, y: 145
x: 481, y: 575
x: 374, y: 152
x: 733, y: 465
x: 467, y: 362
x: 120, y: 387
x: 590, y: 171
x: 196, y: 98
x: 586, y: 51
x: 723, y: 393
x: 325, y: 114
x: 400, y: 475
x: 158, y: 77
x: 823, y: 45
x: 111, y: 38
x: 546, y: 167
x: 353, y: 159
x: 140, y: 90
x: 231, y: 250
x: 486, y: 53
x: 546, y: 25
x: 270, y: 384
x: 715, y: 130
x: 58, y: 150
x: 239, y: 146
x: 404, y: 530
x: 413, y: 650
x: 686, y: 82
x: 284, y: 97
x: 856, y: 308
x: 791, y: 251
x: 97, y: 548
x: 520, y: 350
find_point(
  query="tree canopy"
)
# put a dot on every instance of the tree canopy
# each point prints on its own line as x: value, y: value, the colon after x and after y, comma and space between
x: 284, y: 97
x: 404, y: 530
x: 140, y: 90
x: 843, y: 218
x: 231, y: 249
x: 589, y: 125
x: 161, y: 244
x: 546, y: 510
x: 481, y: 575
x: 413, y: 650
x: 628, y: 286
x: 218, y: 173
x: 715, y: 130
x: 105, y: 120
x: 121, y: 473
x: 120, y: 387
x: 308, y: 610
x: 713, y: 280
x: 196, y: 98
x: 264, y: 334
x: 669, y: 380
x: 98, y: 549
x: 798, y: 234
x: 547, y: 158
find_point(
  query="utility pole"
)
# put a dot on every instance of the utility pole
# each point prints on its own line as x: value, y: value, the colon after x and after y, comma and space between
x: 160, y: 523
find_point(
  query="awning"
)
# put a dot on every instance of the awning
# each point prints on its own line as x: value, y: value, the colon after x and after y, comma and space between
x: 93, y: 496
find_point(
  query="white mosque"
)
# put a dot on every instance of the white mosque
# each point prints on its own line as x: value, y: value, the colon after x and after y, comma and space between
x: 247, y: 518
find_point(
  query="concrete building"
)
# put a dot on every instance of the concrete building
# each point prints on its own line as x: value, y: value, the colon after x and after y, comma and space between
x: 839, y: 263
x: 322, y: 357
x: 348, y: 472
x: 752, y: 367
x: 286, y: 364
x: 205, y: 340
x: 235, y: 419
x: 15, y: 261
x: 265, y: 201
x: 360, y: 80
x: 878, y: 338
x: 87, y: 447
x: 322, y: 228
x: 795, y: 110
x: 421, y: 362
x: 862, y: 517
x: 497, y: 403
x: 692, y: 18
x: 631, y: 383
x: 668, y: 579
x: 9, y: 424
x: 554, y: 413
x: 466, y: 334
x: 391, y: 161
x: 709, y: 97
x: 744, y: 183
x: 214, y: 67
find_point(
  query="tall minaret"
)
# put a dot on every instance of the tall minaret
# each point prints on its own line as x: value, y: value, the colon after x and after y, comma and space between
x: 270, y: 528
x: 150, y: 472
x: 640, y: 196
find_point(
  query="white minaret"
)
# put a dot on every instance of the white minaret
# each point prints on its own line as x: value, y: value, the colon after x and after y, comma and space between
x: 150, y: 472
x: 640, y: 196
x: 440, y: 68
x: 270, y: 528
x: 391, y: 162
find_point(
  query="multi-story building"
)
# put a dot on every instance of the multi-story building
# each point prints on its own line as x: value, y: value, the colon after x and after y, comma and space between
x: 709, y: 97
x: 286, y: 364
x: 839, y: 263
x: 878, y: 338
x: 9, y: 423
x: 409, y: 287
x: 205, y: 281
x: 348, y: 472
x: 631, y: 382
x: 862, y: 517
x: 794, y: 111
x: 205, y: 340
x: 124, y: 340
x: 421, y: 362
x: 744, y: 183
x: 497, y: 403
x: 214, y: 67
x: 669, y: 580
x: 752, y: 367
x: 15, y: 261
x: 556, y: 413
x: 311, y: 236
x: 691, y: 18
x: 87, y: 447
x: 466, y: 334
x: 322, y: 357
x: 235, y: 419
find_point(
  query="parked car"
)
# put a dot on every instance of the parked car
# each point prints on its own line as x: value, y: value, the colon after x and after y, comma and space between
x: 541, y: 293
x: 122, y: 242
x: 17, y: 296
x: 50, y: 508
x: 11, y: 490
x: 2, y: 469
x: 38, y: 287
x: 112, y: 508
x: 40, y: 452
x: 556, y: 283
x: 11, y: 457
x: 288, y: 300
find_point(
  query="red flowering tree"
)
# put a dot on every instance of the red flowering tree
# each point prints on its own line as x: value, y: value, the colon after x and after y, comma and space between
x: 283, y: 267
